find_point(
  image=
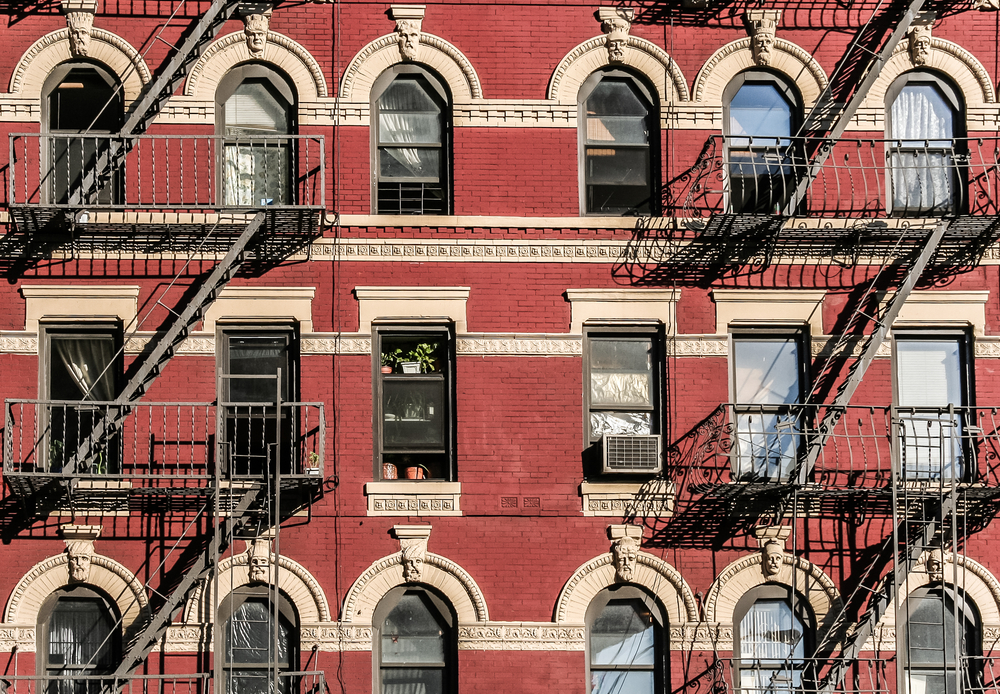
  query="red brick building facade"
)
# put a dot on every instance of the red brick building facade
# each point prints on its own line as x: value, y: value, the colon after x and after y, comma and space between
x: 496, y: 347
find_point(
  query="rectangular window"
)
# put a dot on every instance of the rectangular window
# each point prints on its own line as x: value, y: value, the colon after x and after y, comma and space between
x: 622, y: 373
x: 413, y: 403
x: 768, y: 371
x: 259, y: 378
x: 82, y: 373
x: 932, y: 394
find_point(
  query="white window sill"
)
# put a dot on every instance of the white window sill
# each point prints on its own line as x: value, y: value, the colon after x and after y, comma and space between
x: 650, y: 499
x: 414, y: 498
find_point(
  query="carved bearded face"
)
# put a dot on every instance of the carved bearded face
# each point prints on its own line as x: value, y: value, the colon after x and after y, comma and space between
x: 258, y: 569
x: 763, y: 44
x: 774, y: 557
x: 79, y: 564
x: 920, y: 47
x: 616, y: 50
x: 79, y: 26
x: 935, y: 566
x: 413, y: 563
x: 408, y: 34
x: 624, y: 553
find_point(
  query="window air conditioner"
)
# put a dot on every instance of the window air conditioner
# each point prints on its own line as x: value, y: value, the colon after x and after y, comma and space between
x: 632, y: 454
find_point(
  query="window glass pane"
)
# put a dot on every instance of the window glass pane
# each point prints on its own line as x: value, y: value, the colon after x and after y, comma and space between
x: 929, y: 373
x: 763, y: 680
x: 931, y: 630
x: 766, y: 443
x: 412, y: 681
x: 931, y: 682
x: 82, y: 367
x: 618, y: 682
x: 769, y: 631
x: 410, y: 162
x: 257, y: 173
x: 623, y: 130
x: 767, y: 371
x: 617, y: 166
x: 413, y: 412
x: 85, y: 101
x: 760, y: 110
x: 615, y: 97
x: 81, y: 634
x: 407, y: 128
x: 921, y: 112
x: 621, y: 372
x: 408, y: 94
x: 249, y: 637
x: 412, y: 634
x: 257, y: 355
x: 623, y: 634
x: 254, y: 108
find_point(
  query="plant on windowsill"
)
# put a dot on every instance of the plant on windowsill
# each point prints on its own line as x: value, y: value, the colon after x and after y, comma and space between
x: 417, y: 472
x: 421, y: 359
x: 312, y: 463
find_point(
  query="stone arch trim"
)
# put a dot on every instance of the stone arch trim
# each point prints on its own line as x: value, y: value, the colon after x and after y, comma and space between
x: 746, y: 574
x: 438, y: 572
x: 979, y: 584
x: 436, y: 53
x: 300, y: 586
x: 787, y: 58
x: 52, y: 49
x: 945, y: 57
x: 230, y: 50
x: 641, y: 55
x: 51, y: 574
x: 651, y: 573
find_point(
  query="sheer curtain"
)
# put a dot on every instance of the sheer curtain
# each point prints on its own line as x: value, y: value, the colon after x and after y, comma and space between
x: 772, y: 648
x: 88, y: 363
x: 922, y: 131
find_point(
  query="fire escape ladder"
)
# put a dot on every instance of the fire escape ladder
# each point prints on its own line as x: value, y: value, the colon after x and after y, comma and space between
x: 925, y: 526
x: 859, y: 66
x: 213, y: 544
x: 162, y: 87
x: 164, y: 344
x: 883, y: 321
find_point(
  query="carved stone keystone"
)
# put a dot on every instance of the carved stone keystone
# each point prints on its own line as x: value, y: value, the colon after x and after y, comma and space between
x: 919, y: 38
x: 761, y: 26
x: 772, y: 548
x: 259, y: 559
x: 256, y: 22
x: 625, y: 543
x: 408, y: 20
x: 615, y: 23
x: 79, y: 541
x: 412, y: 549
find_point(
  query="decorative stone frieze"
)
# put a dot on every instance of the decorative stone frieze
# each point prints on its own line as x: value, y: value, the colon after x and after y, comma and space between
x: 521, y: 636
x: 414, y: 499
x: 652, y: 499
x: 762, y: 26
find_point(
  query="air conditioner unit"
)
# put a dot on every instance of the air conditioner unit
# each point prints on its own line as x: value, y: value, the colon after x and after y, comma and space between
x: 632, y: 454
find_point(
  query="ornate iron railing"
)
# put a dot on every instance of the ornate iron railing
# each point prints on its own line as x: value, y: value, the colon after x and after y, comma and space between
x: 176, y: 443
x: 860, y: 178
x: 760, y: 444
x: 167, y: 172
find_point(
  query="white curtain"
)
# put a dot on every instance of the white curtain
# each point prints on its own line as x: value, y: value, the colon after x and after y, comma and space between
x: 88, y: 363
x: 921, y: 161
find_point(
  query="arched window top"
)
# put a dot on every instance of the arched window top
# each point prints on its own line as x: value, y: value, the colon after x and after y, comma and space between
x: 251, y: 620
x: 415, y: 642
x: 923, y: 105
x: 619, y: 127
x: 774, y: 632
x: 410, y: 142
x: 759, y: 103
x: 626, y: 641
x: 256, y: 97
x: 81, y: 634
x: 83, y: 97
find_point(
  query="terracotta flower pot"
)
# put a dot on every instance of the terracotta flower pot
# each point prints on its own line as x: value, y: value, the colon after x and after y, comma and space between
x: 415, y: 473
x: 387, y: 369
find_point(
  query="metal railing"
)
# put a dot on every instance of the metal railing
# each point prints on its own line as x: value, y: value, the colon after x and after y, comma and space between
x: 307, y: 682
x: 860, y: 178
x: 173, y: 442
x: 764, y: 445
x: 167, y: 172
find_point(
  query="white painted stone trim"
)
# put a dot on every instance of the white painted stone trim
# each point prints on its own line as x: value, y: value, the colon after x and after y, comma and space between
x: 773, y: 306
x: 439, y: 572
x: 412, y: 303
x: 231, y: 50
x: 78, y: 301
x: 256, y: 303
x: 622, y: 304
x: 943, y: 308
x: 652, y: 499
x: 413, y: 498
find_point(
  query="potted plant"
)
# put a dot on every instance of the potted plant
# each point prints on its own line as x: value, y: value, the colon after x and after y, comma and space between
x: 312, y: 463
x: 417, y: 472
x: 390, y: 359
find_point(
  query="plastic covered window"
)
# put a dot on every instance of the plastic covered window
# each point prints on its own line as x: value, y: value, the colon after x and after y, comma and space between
x: 413, y: 648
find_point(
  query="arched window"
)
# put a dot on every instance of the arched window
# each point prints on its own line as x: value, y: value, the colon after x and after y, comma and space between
x: 83, y: 104
x: 762, y: 112
x: 81, y: 639
x: 254, y: 109
x: 619, y: 124
x: 626, y: 643
x: 260, y: 642
x: 933, y: 665
x: 414, y: 643
x: 410, y: 142
x: 923, y: 121
x: 774, y: 634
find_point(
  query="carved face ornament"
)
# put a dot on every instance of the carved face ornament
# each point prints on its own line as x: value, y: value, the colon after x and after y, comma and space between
x: 616, y: 38
x: 79, y: 560
x: 763, y: 44
x: 412, y: 558
x: 408, y: 35
x: 624, y: 554
x: 920, y: 45
x: 935, y: 566
x: 255, y: 29
x: 79, y: 25
x: 773, y: 559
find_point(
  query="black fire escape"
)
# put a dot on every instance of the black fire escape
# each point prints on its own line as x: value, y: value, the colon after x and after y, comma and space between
x: 237, y: 468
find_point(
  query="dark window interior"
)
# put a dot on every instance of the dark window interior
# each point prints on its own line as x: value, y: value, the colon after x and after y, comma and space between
x: 415, y: 644
x: 250, y: 648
